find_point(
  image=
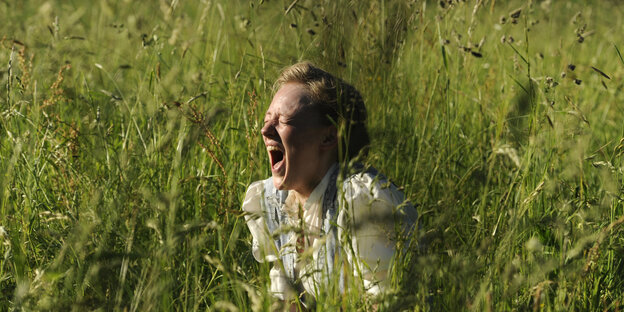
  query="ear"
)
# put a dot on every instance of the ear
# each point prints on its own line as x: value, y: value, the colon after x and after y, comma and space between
x: 330, y: 138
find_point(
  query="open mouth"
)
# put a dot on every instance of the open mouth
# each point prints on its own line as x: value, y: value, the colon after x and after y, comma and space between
x: 277, y: 157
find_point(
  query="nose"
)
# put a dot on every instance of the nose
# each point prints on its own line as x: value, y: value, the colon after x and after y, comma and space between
x: 268, y: 130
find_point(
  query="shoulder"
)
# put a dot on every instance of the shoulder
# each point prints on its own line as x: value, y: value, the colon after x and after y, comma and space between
x: 255, y: 187
x: 372, y: 185
x: 253, y: 196
x: 368, y: 195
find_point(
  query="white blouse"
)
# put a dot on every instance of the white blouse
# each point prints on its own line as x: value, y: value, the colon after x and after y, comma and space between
x: 367, y: 210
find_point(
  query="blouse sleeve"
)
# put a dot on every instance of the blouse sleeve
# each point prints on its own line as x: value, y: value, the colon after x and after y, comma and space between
x: 369, y: 210
x: 262, y: 246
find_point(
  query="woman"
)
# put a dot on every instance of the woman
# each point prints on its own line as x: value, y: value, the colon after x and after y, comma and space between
x: 312, y: 219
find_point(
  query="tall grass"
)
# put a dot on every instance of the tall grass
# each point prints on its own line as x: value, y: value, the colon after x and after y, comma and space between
x: 130, y: 131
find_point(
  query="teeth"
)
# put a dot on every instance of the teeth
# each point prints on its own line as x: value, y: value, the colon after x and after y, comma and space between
x: 272, y: 148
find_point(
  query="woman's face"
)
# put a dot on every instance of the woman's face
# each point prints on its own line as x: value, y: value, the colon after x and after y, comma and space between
x: 295, y: 140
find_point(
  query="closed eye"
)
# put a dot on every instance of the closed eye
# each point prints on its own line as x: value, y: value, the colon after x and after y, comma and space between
x: 268, y: 119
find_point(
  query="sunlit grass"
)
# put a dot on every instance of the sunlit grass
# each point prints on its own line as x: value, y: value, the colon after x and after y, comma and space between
x: 130, y: 130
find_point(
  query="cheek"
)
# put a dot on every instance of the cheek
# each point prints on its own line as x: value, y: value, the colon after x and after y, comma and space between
x: 296, y: 145
x: 304, y: 146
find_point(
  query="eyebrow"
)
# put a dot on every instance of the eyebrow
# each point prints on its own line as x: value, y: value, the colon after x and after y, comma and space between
x: 268, y: 117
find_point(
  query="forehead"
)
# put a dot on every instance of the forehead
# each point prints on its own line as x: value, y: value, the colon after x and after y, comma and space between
x: 290, y: 99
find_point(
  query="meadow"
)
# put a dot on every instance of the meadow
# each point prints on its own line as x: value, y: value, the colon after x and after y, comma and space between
x: 129, y: 131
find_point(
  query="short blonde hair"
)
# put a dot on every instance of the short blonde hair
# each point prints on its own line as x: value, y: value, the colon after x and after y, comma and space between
x: 337, y: 101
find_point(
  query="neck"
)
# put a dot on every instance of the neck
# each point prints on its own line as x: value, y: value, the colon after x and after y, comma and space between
x: 304, y: 193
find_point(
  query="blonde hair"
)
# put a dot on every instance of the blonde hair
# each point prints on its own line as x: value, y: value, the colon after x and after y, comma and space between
x: 338, y: 102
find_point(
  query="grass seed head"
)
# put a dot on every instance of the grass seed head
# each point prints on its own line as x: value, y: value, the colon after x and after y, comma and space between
x: 516, y: 13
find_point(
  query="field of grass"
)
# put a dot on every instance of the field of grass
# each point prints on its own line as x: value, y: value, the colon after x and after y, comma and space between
x: 129, y: 131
